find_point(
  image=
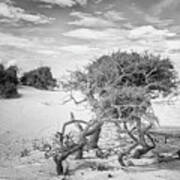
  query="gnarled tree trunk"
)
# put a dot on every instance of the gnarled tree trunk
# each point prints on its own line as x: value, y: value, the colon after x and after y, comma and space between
x: 89, y: 130
x: 95, y: 138
x: 139, y: 138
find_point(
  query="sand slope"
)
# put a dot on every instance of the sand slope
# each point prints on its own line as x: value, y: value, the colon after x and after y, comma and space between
x: 36, y: 113
x: 35, y: 167
x: 39, y: 113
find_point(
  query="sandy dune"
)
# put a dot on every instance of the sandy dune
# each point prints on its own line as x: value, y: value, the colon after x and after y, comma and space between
x: 40, y: 113
x: 37, y: 112
x: 35, y: 167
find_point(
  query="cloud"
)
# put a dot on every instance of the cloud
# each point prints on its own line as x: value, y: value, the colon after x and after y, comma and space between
x: 81, y: 2
x: 11, y: 13
x: 164, y: 4
x: 114, y: 15
x: 102, y: 35
x: 145, y: 32
x: 79, y: 49
x: 88, y: 20
x: 141, y: 38
x: 64, y: 3
x: 137, y: 33
x: 98, y: 1
x: 174, y: 45
x: 156, y: 20
x: 33, y: 45
x: 11, y: 40
x: 100, y: 19
x: 152, y: 18
x: 156, y: 40
x: 175, y: 28
x: 84, y: 33
x: 11, y: 63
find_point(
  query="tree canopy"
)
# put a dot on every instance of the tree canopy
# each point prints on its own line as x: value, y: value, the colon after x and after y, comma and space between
x: 122, y: 85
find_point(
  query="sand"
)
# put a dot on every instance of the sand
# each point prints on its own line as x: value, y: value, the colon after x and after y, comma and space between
x: 35, y: 167
x: 38, y: 114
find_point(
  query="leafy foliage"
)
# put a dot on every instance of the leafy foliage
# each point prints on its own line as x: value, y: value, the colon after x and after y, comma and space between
x: 40, y: 78
x: 122, y: 85
x: 8, y: 82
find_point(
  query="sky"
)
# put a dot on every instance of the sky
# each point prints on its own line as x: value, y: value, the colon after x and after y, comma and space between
x: 67, y: 34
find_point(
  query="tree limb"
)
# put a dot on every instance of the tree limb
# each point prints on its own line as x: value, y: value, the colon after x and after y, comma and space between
x: 71, y: 122
x: 129, y: 132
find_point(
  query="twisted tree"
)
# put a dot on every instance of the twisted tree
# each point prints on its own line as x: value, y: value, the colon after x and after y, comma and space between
x: 119, y: 88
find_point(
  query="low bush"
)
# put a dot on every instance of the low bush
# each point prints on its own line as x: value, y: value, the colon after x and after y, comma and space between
x: 40, y: 78
x: 8, y: 82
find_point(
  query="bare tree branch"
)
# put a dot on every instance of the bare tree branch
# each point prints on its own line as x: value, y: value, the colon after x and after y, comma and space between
x: 72, y: 98
x: 72, y: 122
x: 129, y: 132
x: 79, y: 126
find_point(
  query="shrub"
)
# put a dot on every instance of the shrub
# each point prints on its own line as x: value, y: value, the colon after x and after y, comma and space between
x: 8, y: 82
x: 40, y: 78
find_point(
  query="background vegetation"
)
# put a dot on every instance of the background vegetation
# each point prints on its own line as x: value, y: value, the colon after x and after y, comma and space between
x: 40, y: 78
x: 8, y: 82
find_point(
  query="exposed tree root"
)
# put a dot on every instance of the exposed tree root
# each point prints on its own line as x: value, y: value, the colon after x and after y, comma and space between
x: 123, y: 154
x: 91, y: 129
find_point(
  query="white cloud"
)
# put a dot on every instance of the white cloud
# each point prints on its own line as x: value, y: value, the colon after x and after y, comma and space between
x: 160, y: 41
x: 68, y: 3
x: 114, y: 16
x: 100, y: 19
x: 174, y: 45
x: 90, y: 34
x: 81, y: 2
x: 10, y: 13
x: 33, y: 45
x: 11, y: 63
x: 64, y: 3
x: 79, y: 49
x: 155, y: 40
x: 11, y: 40
x: 149, y: 32
x: 88, y: 20
x: 83, y: 33
x: 156, y: 20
